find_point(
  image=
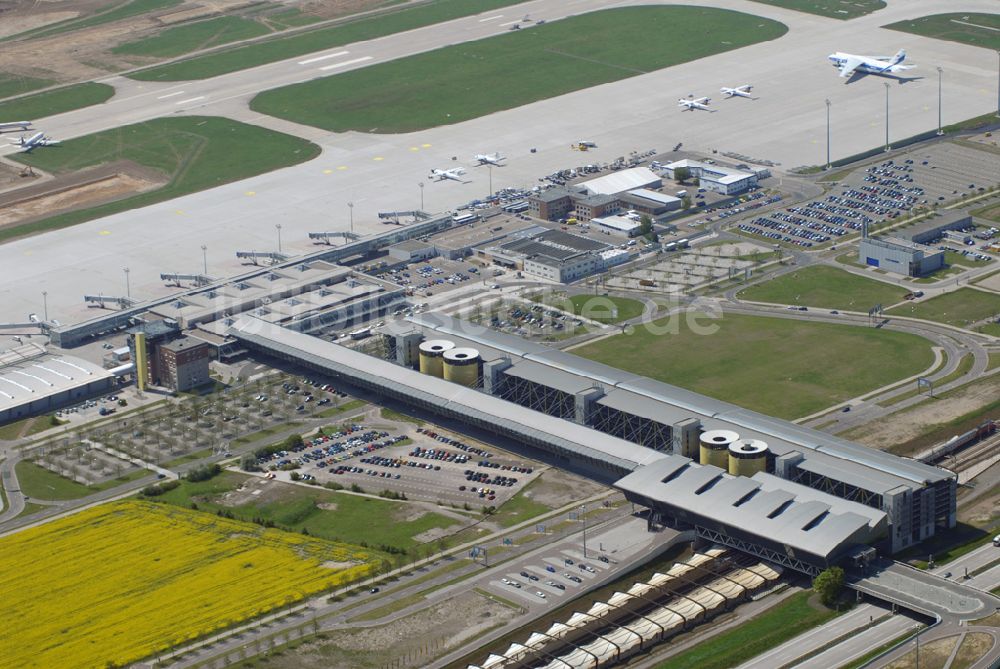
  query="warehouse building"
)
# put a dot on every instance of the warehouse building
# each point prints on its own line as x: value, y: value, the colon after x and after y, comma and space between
x: 33, y: 382
x: 935, y: 226
x: 412, y: 250
x: 715, y: 178
x: 899, y: 256
x: 553, y: 254
x: 543, y: 403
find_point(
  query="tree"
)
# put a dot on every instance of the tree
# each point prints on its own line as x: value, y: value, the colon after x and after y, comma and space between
x: 292, y: 441
x: 645, y: 225
x: 685, y: 202
x: 681, y: 174
x: 828, y: 584
x: 248, y: 463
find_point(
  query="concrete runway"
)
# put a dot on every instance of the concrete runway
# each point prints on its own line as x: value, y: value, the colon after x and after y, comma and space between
x: 382, y: 172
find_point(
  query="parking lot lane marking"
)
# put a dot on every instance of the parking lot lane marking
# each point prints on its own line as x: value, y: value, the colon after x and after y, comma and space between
x: 346, y: 63
x: 184, y: 102
x: 307, y: 61
x: 170, y: 95
x: 491, y: 18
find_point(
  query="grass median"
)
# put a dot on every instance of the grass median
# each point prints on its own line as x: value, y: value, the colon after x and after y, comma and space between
x: 963, y: 27
x: 826, y: 288
x: 469, y: 80
x: 834, y: 9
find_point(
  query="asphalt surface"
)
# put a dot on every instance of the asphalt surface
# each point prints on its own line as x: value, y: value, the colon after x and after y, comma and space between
x: 382, y: 172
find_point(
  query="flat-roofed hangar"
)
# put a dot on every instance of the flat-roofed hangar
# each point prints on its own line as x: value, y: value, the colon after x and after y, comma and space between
x: 825, y: 498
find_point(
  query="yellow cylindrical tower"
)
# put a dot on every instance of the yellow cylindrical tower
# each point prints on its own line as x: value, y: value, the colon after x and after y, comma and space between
x: 747, y: 457
x: 461, y: 365
x: 430, y: 356
x: 714, y: 447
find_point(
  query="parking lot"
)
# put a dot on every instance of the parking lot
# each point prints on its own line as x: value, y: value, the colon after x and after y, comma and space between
x: 881, y: 192
x: 438, y: 275
x: 408, y: 460
x: 688, y: 270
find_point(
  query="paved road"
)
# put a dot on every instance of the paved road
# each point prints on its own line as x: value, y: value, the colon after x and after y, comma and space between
x: 381, y: 172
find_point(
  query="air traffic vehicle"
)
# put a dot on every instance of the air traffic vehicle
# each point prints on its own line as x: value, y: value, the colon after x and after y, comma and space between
x: 455, y: 174
x: 688, y: 104
x: 741, y: 91
x: 849, y: 63
x: 33, y: 142
x: 489, y: 158
x: 15, y: 125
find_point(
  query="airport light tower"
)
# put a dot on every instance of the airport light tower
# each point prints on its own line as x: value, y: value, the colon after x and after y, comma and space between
x: 45, y: 305
x: 277, y: 226
x: 421, y: 184
x: 350, y: 208
x: 828, y: 163
x: 204, y: 258
x: 887, y: 146
x: 128, y: 287
x: 940, y: 131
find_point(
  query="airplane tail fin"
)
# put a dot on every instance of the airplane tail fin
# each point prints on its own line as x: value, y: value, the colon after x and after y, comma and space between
x: 899, y: 57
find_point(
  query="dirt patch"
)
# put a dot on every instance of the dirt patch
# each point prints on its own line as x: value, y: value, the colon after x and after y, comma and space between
x: 12, y: 25
x: 408, y: 512
x: 436, y: 533
x: 255, y: 489
x: 913, y: 423
x: 331, y: 564
x: 974, y: 646
x: 11, y: 175
x: 932, y: 654
x: 412, y: 641
x: 82, y: 189
x: 327, y: 506
x: 556, y: 488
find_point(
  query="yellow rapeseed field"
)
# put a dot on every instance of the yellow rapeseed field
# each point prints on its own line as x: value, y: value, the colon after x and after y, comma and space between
x: 123, y: 580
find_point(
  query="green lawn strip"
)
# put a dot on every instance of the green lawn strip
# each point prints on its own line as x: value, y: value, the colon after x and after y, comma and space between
x: 57, y: 101
x: 121, y: 10
x: 834, y: 9
x: 12, y: 84
x: 196, y: 455
x: 12, y: 431
x: 946, y: 546
x: 30, y: 508
x: 520, y: 507
x: 606, y: 309
x: 40, y: 483
x: 392, y: 414
x: 958, y: 308
x: 342, y: 408
x: 382, y: 611
x: 353, y: 519
x: 990, y: 212
x: 995, y: 355
x: 194, y: 153
x: 289, y: 18
x: 773, y: 365
x: 965, y: 27
x: 875, y: 652
x: 183, y: 39
x: 990, y: 329
x: 825, y: 287
x: 473, y: 79
x: 769, y: 630
x: 956, y: 258
x: 355, y: 30
x: 964, y: 365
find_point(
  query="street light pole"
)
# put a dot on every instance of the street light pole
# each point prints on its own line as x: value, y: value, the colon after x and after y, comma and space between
x: 940, y: 131
x: 128, y: 287
x: 998, y: 82
x: 204, y: 258
x: 278, y: 228
x: 583, y: 512
x: 421, y: 184
x: 490, y: 167
x: 828, y: 164
x: 350, y: 207
x: 45, y: 305
x: 887, y: 147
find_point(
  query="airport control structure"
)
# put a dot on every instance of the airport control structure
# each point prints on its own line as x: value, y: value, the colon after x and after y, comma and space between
x: 767, y: 487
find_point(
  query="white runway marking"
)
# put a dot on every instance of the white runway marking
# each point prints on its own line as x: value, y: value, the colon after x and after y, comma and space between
x: 182, y: 102
x: 170, y: 95
x: 319, y: 58
x: 347, y: 62
x: 509, y: 23
x: 491, y: 18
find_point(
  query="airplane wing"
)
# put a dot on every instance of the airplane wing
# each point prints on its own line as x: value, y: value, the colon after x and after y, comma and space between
x: 850, y: 64
x: 701, y: 101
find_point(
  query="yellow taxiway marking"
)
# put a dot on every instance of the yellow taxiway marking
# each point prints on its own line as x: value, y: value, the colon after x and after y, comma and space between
x: 104, y: 233
x: 251, y: 193
x: 342, y: 167
x: 378, y: 158
x: 179, y: 212
x: 425, y: 146
x: 414, y: 148
x: 327, y: 171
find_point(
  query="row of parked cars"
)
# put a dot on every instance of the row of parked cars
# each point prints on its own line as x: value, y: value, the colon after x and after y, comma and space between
x: 475, y: 450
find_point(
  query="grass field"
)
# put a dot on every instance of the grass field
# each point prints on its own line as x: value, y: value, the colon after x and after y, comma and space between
x: 836, y: 9
x: 29, y: 426
x: 57, y: 101
x: 193, y: 152
x: 11, y: 85
x: 39, y: 483
x: 350, y: 518
x: 116, y: 12
x: 121, y: 581
x: 770, y: 629
x: 291, y: 46
x: 781, y: 367
x: 990, y: 213
x: 965, y: 27
x: 600, y: 308
x: 183, y: 39
x: 959, y: 308
x: 824, y: 287
x: 469, y: 80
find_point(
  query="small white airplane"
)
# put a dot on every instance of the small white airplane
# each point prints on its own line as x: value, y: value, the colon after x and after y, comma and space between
x: 455, y: 174
x: 33, y: 142
x: 15, y: 125
x: 689, y: 104
x: 489, y: 158
x: 741, y: 91
x: 849, y: 63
